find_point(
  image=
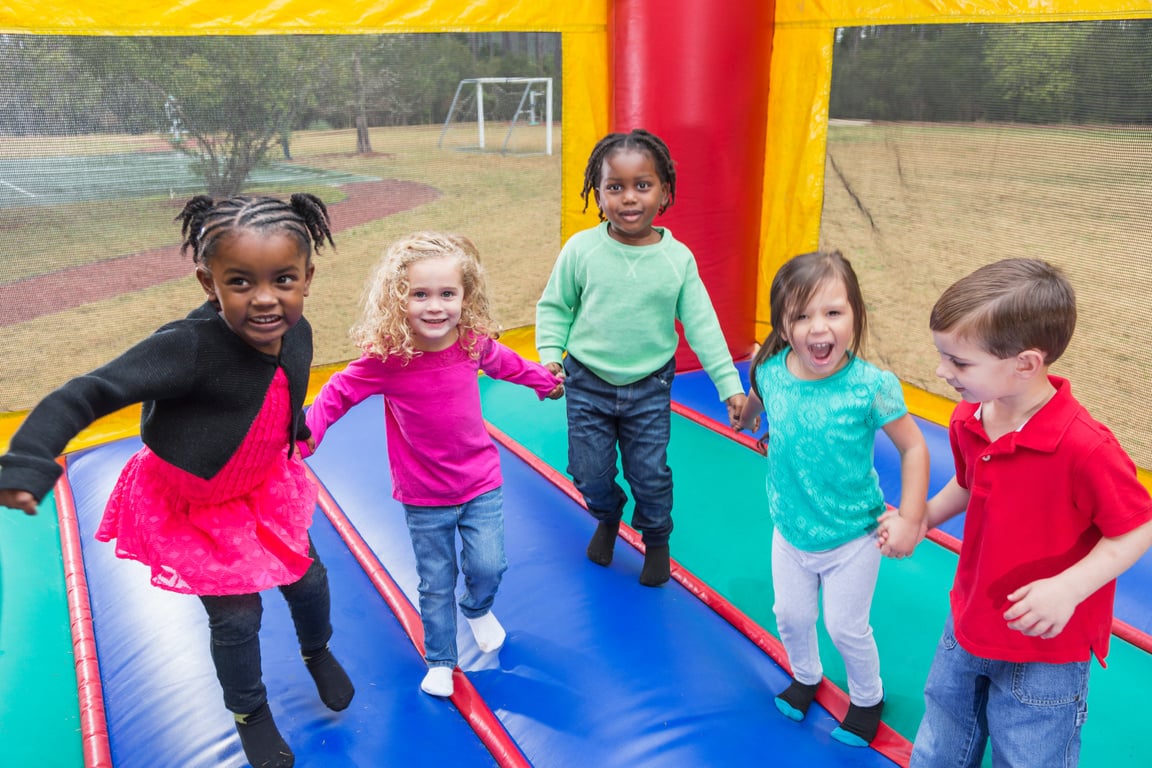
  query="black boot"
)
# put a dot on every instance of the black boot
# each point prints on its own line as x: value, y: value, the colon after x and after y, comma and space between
x: 794, y: 701
x: 860, y: 725
x: 263, y: 745
x: 603, y: 543
x: 332, y: 681
x: 657, y: 568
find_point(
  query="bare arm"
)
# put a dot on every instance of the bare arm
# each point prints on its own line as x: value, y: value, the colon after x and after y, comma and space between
x: 904, y: 530
x: 750, y: 411
x: 948, y: 502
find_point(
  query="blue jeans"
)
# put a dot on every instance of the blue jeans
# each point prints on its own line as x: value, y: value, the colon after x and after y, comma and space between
x: 638, y: 418
x: 1033, y: 712
x: 433, y: 531
x: 234, y: 628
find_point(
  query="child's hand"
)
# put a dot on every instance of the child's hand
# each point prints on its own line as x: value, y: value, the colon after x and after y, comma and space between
x: 735, y: 409
x: 557, y: 391
x: 896, y: 536
x: 1040, y: 609
x: 557, y: 370
x: 306, y: 447
x: 17, y: 499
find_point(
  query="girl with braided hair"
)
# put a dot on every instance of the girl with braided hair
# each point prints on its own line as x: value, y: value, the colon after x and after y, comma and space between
x: 611, y: 304
x: 217, y: 503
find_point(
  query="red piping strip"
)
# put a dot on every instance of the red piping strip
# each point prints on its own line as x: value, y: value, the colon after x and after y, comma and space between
x: 90, y: 690
x: 465, y: 696
x: 887, y: 742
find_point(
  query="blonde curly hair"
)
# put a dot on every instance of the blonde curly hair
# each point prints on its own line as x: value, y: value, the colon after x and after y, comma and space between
x: 383, y: 331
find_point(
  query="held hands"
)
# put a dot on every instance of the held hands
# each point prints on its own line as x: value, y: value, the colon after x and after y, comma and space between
x: 17, y: 499
x: 1040, y: 609
x: 897, y: 537
x: 736, y: 409
x: 557, y: 370
x: 306, y: 447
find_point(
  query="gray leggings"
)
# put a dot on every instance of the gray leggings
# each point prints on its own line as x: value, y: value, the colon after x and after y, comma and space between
x: 846, y: 576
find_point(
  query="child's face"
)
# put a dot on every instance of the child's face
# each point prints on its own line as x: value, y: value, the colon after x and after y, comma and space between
x: 630, y: 195
x: 820, y: 332
x: 259, y: 281
x: 435, y: 300
x: 977, y: 375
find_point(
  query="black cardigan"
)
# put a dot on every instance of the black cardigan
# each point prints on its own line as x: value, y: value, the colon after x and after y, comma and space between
x: 201, y: 385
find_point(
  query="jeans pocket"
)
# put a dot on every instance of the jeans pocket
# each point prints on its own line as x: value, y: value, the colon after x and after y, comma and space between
x: 1050, y: 685
x: 948, y: 638
x: 665, y: 375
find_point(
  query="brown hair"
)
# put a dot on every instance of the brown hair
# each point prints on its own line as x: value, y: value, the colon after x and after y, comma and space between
x: 1010, y: 306
x: 793, y: 287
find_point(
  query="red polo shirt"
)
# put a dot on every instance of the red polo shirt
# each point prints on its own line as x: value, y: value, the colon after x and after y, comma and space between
x: 1041, y: 498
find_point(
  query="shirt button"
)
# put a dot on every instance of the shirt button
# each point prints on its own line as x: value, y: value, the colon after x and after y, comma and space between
x: 986, y: 457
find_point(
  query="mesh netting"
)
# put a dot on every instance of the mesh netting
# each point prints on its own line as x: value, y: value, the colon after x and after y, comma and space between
x: 102, y: 141
x: 950, y: 147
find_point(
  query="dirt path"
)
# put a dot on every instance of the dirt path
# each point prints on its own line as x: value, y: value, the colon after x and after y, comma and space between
x: 36, y: 296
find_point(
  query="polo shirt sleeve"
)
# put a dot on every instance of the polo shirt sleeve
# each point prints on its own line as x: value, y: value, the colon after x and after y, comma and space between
x: 1108, y: 486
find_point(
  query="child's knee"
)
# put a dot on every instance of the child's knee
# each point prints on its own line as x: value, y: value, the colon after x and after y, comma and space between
x: 795, y: 613
x: 234, y: 619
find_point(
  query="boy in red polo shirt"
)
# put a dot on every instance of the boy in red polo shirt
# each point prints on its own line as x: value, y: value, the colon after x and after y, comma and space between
x: 1054, y: 514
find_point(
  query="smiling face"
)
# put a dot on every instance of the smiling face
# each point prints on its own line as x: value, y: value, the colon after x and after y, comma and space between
x: 977, y: 375
x: 259, y: 282
x: 435, y: 301
x: 821, y: 332
x: 630, y: 195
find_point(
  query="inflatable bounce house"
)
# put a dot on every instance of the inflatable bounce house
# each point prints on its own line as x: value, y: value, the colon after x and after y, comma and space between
x: 922, y: 138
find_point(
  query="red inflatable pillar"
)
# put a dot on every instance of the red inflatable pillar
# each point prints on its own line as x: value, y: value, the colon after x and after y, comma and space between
x: 696, y: 74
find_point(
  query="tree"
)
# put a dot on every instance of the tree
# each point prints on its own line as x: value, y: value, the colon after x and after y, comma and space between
x: 233, y: 96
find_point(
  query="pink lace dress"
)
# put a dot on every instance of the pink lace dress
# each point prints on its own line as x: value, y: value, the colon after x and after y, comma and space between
x: 243, y: 531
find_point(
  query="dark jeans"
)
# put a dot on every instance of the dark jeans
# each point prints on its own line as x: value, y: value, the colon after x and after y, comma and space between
x: 234, y: 624
x: 636, y: 417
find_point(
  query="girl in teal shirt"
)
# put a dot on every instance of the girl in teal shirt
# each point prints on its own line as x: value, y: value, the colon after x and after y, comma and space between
x: 823, y: 406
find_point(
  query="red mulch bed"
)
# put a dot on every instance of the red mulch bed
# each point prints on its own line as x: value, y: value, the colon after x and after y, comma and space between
x: 73, y: 287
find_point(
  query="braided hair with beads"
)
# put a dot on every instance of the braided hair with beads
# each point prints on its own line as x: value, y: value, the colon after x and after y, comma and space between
x: 639, y: 140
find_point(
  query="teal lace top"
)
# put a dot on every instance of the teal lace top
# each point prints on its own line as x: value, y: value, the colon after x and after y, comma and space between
x: 823, y: 490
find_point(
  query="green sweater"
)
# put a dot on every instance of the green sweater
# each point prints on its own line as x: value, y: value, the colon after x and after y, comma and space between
x: 614, y: 306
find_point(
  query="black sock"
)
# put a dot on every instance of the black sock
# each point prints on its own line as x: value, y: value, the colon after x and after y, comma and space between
x: 332, y: 681
x: 799, y: 697
x: 657, y: 568
x: 603, y: 543
x: 263, y: 745
x: 861, y: 722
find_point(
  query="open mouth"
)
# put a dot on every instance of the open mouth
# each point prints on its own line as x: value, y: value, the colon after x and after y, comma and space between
x: 821, y: 353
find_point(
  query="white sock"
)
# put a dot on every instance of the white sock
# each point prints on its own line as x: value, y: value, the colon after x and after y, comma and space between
x: 438, y: 682
x: 487, y: 631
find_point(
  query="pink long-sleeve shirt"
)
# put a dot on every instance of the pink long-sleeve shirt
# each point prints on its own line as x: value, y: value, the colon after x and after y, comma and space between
x: 439, y: 450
